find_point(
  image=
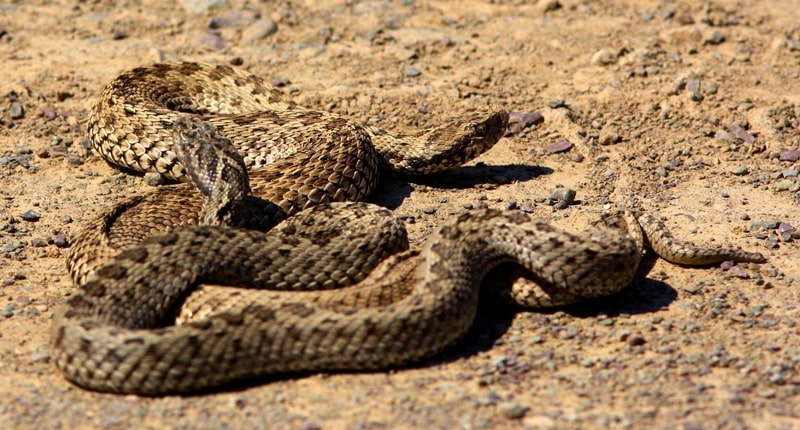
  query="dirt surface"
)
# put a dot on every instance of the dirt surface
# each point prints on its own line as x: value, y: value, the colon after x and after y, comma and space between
x: 691, y: 106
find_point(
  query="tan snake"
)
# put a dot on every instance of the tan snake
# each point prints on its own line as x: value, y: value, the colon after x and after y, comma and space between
x: 332, y: 287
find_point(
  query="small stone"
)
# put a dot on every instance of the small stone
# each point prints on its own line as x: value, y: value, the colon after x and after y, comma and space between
x: 512, y: 410
x: 49, y: 113
x: 59, y: 240
x: 211, y: 41
x: 308, y: 425
x: 260, y: 29
x: 467, y: 205
x: 566, y: 195
x: 511, y: 204
x: 30, y: 215
x: 198, y: 6
x: 38, y: 242
x: 740, y: 171
x: 429, y: 210
x: 764, y: 225
x: 8, y: 311
x: 16, y: 111
x: 411, y: 72
x: 603, y: 57
x: 609, y: 137
x: 561, y: 145
x: 715, y: 38
x: 784, y: 185
x: 787, y: 232
x: 740, y: 133
x: 789, y: 173
x: 636, y: 339
x: 790, y: 155
x: 518, y: 121
x: 557, y: 103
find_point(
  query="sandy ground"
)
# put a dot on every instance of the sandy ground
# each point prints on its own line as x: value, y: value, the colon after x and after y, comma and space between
x: 692, y: 106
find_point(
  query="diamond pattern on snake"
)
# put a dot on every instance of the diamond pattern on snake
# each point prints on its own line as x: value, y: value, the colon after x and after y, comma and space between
x: 271, y: 206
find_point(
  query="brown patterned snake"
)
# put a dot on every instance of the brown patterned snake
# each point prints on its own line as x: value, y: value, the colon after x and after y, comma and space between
x: 332, y: 287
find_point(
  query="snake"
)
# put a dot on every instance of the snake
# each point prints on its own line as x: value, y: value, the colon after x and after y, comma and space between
x: 332, y: 286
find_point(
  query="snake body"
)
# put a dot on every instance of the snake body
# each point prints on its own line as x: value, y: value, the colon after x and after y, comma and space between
x: 333, y: 287
x: 299, y: 158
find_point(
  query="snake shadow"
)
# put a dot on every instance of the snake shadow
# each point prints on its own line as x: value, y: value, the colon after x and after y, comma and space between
x: 394, y: 188
x: 495, y: 314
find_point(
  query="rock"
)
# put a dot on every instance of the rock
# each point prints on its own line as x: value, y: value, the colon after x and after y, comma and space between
x: 518, y: 121
x: 30, y: 215
x: 740, y: 170
x: 260, y: 29
x: 784, y: 185
x: 609, y: 137
x: 211, y: 41
x: 740, y: 133
x: 566, y: 195
x: 512, y: 410
x: 411, y: 72
x: 715, y: 38
x: 561, y: 145
x: 199, y: 6
x: 790, y: 155
x: 603, y: 57
x: 16, y: 111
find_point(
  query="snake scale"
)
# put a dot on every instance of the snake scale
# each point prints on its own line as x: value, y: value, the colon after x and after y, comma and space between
x: 331, y: 287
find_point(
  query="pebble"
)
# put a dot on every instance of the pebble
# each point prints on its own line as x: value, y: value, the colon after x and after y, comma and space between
x: 59, y: 240
x: 789, y: 173
x: 557, y: 103
x: 561, y: 145
x: 724, y: 136
x: 609, y: 137
x: 518, y: 121
x: 30, y: 215
x: 16, y: 111
x: 566, y: 195
x: 715, y: 38
x: 8, y: 311
x: 260, y: 29
x: 429, y: 210
x: 603, y: 57
x: 511, y: 204
x: 741, y: 133
x: 38, y: 242
x: 467, y: 205
x: 198, y: 6
x: 785, y: 185
x: 740, y: 170
x: 211, y: 41
x: 49, y: 113
x: 235, y: 18
x: 411, y: 72
x: 512, y: 410
x: 308, y: 425
x: 636, y: 340
x: 764, y: 225
x: 790, y: 155
x: 788, y: 232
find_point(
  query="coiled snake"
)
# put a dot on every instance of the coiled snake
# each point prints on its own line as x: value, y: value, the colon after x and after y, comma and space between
x: 334, y: 286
